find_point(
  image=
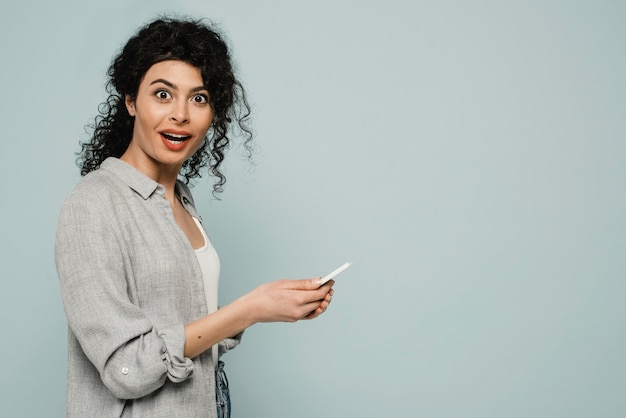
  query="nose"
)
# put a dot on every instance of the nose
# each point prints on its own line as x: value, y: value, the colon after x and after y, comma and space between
x: 180, y: 113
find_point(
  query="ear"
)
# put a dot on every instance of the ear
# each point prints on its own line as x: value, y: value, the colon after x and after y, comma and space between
x: 130, y: 105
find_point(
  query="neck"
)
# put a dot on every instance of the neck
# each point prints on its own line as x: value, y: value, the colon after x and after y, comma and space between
x: 165, y: 175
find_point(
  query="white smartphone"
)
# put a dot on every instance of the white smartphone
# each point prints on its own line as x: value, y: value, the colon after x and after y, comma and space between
x: 335, y: 273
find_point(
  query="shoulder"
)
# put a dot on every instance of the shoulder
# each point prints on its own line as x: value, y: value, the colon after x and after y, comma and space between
x: 99, y: 197
x: 113, y: 180
x: 94, y: 188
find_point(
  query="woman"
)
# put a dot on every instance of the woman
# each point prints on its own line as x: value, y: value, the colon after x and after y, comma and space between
x: 138, y: 274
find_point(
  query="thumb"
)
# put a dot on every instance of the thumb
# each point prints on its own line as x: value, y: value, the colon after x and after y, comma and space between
x: 306, y: 284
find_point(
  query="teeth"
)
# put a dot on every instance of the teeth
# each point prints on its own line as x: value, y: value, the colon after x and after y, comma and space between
x: 175, y: 137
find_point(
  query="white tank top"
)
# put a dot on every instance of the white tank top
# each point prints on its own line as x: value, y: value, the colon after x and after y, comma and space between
x: 210, y: 266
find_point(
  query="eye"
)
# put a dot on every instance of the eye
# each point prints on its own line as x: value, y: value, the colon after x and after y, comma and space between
x: 163, y: 95
x: 200, y: 99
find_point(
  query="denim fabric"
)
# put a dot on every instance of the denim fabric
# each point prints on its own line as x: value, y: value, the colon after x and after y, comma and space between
x: 222, y: 394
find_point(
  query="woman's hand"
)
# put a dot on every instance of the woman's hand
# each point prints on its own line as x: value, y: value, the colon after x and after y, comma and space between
x: 289, y: 300
x: 279, y: 301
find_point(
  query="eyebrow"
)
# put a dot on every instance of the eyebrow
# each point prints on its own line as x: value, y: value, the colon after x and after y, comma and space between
x: 175, y: 87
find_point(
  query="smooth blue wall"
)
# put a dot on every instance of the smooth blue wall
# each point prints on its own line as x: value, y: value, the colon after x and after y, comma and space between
x: 468, y: 157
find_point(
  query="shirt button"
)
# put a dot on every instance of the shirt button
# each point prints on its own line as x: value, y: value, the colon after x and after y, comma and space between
x: 125, y: 371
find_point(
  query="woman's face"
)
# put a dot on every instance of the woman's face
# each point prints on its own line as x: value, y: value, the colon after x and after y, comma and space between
x: 172, y: 115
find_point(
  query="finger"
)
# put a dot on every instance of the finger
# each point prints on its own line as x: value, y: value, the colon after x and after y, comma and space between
x: 323, y: 306
x: 304, y: 284
x: 314, y: 314
x: 315, y: 309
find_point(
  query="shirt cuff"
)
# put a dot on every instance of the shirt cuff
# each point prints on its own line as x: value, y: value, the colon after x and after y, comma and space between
x: 228, y: 344
x: 179, y: 367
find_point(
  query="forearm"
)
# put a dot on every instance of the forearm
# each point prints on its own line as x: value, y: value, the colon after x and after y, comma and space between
x: 279, y: 301
x: 226, y: 322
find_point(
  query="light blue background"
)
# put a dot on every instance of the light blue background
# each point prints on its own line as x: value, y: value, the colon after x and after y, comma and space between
x: 468, y: 157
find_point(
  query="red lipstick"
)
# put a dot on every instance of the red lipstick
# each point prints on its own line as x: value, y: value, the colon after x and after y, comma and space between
x: 173, y: 139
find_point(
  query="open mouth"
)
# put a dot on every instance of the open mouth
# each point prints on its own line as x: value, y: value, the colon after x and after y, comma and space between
x: 174, y: 138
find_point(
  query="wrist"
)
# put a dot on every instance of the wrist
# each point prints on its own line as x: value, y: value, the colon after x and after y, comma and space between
x: 245, y: 310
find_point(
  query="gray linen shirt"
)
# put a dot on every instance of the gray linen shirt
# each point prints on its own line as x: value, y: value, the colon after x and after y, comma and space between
x: 130, y: 280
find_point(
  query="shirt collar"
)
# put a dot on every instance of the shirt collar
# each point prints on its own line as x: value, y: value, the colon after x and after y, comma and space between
x: 145, y: 186
x: 134, y: 178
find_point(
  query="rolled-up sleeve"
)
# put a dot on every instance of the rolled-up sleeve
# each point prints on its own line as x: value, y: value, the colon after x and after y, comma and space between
x: 133, y: 356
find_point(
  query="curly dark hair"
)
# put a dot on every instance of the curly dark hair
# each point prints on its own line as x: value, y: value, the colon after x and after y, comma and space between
x: 190, y: 41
